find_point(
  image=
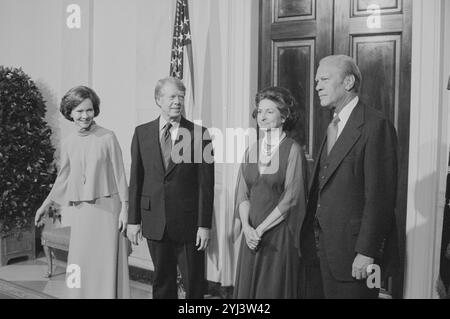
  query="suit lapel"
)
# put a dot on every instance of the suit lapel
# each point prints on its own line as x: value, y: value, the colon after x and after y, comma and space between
x: 345, y: 142
x: 183, y: 124
x: 153, y: 136
x: 317, y: 164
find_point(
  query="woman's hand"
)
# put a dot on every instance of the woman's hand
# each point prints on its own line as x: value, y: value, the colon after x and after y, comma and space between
x: 123, y: 219
x: 251, y: 237
x: 39, y: 213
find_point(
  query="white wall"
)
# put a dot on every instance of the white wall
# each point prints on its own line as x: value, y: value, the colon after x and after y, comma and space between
x: 114, y: 67
x: 154, y: 21
x: 31, y: 38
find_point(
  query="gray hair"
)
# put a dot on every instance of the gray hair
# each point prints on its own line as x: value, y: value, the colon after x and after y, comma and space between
x: 348, y: 67
x: 161, y: 83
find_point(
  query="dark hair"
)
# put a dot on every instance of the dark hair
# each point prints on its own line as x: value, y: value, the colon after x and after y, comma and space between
x: 75, y: 96
x: 161, y: 83
x: 285, y: 102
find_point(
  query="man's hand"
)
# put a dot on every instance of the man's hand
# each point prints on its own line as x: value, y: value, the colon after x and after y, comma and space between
x: 359, y: 267
x: 202, y: 238
x: 134, y: 234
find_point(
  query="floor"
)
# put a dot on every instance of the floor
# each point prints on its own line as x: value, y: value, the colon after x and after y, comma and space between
x: 30, y: 274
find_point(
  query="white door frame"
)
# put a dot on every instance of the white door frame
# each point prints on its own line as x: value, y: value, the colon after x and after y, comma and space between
x: 429, y: 145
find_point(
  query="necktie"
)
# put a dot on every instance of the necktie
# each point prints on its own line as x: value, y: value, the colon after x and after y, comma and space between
x: 332, y: 133
x: 166, y: 144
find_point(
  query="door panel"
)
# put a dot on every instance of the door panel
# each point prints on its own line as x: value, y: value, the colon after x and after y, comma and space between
x: 294, y: 10
x: 378, y: 58
x: 294, y: 36
x: 360, y: 7
x: 293, y: 65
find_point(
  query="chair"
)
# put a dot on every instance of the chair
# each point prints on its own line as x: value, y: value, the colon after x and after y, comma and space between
x: 54, y: 236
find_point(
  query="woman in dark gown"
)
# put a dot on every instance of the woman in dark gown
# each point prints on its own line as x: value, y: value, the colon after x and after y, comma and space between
x: 271, y: 203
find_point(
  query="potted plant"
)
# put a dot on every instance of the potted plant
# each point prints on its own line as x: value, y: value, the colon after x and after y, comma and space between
x: 27, y: 170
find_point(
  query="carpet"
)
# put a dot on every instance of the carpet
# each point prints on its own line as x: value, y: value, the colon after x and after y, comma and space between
x: 9, y: 290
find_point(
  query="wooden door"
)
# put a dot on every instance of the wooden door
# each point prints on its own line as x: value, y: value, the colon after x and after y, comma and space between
x: 296, y: 34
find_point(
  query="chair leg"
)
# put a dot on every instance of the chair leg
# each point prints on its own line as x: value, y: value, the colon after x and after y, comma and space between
x: 48, y: 255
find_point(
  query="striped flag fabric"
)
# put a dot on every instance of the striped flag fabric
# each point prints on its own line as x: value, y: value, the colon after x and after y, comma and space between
x: 181, y: 60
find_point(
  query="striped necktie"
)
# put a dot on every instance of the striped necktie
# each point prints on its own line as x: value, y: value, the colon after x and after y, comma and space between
x: 166, y: 144
x: 332, y: 133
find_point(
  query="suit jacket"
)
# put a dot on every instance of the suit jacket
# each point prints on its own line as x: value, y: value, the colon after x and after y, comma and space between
x: 179, y: 199
x: 353, y: 194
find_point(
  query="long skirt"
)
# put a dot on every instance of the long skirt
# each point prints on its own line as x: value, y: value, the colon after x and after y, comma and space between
x: 97, y: 266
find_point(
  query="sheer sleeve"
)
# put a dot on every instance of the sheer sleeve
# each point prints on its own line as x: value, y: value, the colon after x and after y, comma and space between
x: 242, y: 191
x: 292, y: 204
x: 58, y: 194
x: 242, y: 194
x: 118, y: 168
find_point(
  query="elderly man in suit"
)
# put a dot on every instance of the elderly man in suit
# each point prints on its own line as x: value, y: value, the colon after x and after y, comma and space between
x: 171, y: 194
x: 350, y: 213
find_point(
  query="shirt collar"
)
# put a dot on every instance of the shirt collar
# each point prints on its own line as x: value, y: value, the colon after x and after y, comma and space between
x: 163, y: 122
x: 344, y: 114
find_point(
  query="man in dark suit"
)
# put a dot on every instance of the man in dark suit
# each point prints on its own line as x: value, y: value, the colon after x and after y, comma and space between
x: 350, y: 211
x: 171, y: 193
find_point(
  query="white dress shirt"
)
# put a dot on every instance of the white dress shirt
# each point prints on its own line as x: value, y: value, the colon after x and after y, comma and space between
x: 345, y: 113
x: 173, y: 130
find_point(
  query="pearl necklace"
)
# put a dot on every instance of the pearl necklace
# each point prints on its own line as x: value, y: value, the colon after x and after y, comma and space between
x: 268, y: 149
x: 86, y: 149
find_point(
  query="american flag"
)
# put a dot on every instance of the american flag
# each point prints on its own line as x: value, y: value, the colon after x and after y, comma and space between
x: 181, y: 39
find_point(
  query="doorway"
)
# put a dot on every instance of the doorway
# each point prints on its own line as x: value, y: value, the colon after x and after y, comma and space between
x: 296, y: 34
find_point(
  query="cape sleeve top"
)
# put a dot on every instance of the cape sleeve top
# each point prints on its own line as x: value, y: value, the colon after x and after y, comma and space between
x: 91, y: 168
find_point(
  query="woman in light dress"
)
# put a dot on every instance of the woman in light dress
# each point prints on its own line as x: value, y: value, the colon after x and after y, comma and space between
x: 92, y: 183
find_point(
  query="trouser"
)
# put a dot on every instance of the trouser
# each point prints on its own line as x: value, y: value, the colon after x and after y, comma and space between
x: 166, y: 255
x: 335, y: 289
